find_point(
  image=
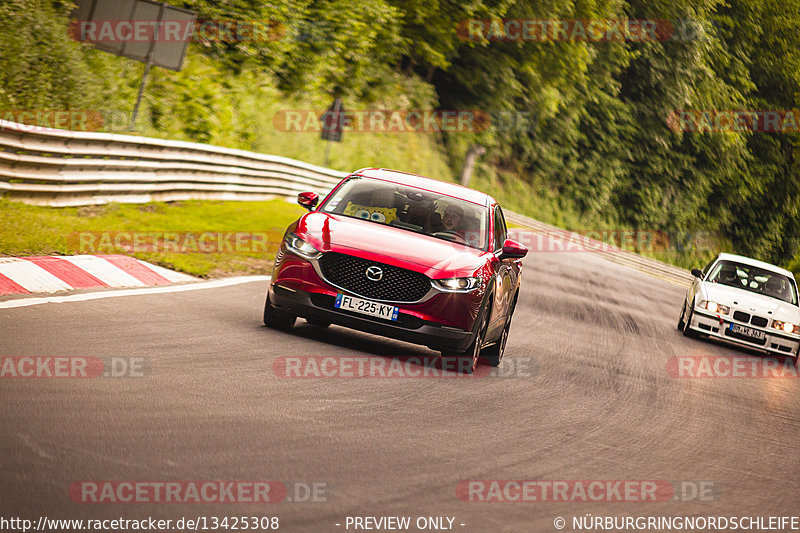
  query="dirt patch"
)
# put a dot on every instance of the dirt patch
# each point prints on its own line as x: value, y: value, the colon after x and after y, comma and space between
x: 247, y: 266
x: 92, y: 211
x: 151, y: 208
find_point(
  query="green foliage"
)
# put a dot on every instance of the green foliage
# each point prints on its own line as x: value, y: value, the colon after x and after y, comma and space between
x: 40, y: 68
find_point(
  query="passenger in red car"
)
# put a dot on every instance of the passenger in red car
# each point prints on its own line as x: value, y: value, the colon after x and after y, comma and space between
x: 423, y: 213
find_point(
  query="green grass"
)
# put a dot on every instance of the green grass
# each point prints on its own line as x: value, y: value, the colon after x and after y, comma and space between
x: 34, y: 230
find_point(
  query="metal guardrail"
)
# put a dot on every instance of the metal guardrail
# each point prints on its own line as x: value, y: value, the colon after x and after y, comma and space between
x: 63, y: 168
x: 672, y: 274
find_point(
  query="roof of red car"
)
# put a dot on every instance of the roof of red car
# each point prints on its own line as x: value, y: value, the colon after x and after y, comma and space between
x: 428, y: 184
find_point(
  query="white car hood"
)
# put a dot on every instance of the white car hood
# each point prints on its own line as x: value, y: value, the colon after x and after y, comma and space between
x: 747, y: 301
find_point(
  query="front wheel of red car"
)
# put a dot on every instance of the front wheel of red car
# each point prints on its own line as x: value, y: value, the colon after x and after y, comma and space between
x: 468, y: 360
x: 276, y: 319
x: 493, y: 355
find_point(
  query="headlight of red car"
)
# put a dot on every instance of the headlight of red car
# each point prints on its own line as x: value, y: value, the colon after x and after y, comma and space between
x: 458, y: 284
x: 298, y: 246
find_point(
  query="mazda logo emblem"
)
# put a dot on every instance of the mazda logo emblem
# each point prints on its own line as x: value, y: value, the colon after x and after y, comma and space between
x: 374, y: 273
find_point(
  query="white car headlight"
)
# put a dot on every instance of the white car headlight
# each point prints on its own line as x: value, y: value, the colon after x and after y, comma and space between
x: 786, y: 327
x: 300, y: 247
x: 714, y: 307
x: 458, y: 284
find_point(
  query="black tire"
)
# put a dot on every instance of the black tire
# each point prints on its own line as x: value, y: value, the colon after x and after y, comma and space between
x: 472, y: 354
x: 493, y: 355
x: 318, y: 323
x: 681, y: 323
x: 686, y: 331
x: 276, y: 319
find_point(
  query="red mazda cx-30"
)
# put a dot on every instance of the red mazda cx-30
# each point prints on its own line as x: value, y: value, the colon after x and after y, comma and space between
x: 403, y: 256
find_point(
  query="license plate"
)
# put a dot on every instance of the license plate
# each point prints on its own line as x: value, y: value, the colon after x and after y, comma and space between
x: 365, y: 307
x: 747, y: 332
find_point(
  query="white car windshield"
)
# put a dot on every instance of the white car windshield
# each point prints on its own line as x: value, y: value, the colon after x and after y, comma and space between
x: 754, y: 279
x: 411, y: 209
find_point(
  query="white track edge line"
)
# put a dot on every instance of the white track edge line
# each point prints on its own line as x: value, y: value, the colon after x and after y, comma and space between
x: 225, y: 282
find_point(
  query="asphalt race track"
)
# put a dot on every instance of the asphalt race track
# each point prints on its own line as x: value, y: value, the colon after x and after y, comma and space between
x: 596, y: 402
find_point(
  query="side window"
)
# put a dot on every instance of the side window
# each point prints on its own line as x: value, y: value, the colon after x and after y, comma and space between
x: 705, y: 270
x: 499, y: 228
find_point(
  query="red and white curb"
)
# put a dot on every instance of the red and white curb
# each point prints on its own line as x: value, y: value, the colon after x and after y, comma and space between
x: 28, y: 275
x: 102, y: 295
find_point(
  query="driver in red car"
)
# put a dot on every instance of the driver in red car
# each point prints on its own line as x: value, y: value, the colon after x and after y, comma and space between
x: 453, y: 219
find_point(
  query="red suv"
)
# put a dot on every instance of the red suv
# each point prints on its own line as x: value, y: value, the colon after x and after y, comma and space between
x: 403, y: 256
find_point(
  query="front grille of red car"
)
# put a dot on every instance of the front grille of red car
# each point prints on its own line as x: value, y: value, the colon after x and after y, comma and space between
x: 396, y: 285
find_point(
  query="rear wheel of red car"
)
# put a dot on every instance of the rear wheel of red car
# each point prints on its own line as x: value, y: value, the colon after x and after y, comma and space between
x: 277, y: 319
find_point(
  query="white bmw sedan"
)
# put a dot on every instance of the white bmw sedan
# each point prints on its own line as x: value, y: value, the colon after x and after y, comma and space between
x: 744, y: 301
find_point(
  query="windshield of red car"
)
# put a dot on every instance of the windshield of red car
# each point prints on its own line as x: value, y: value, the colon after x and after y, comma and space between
x: 754, y: 279
x: 411, y: 209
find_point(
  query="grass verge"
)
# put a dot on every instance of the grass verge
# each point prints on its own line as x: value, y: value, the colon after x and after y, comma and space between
x: 208, y: 239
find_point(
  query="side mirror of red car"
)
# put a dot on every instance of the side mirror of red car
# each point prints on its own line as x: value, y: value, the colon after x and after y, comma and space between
x: 308, y: 200
x: 513, y: 250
